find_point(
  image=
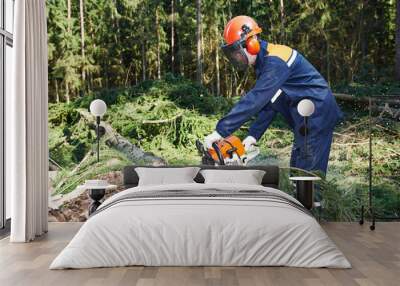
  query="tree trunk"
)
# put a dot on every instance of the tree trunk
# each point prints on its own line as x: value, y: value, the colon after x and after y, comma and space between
x: 143, y: 51
x: 233, y: 81
x: 69, y: 30
x: 398, y: 40
x: 271, y: 31
x: 82, y: 19
x: 227, y: 76
x: 115, y: 25
x: 202, y: 44
x: 67, y: 97
x: 217, y: 74
x: 143, y: 46
x: 327, y: 55
x: 199, y: 70
x: 144, y: 63
x: 158, y: 45
x: 363, y: 34
x: 136, y: 78
x: 69, y: 16
x: 282, y: 11
x: 57, y: 94
x: 181, y: 62
x: 172, y: 35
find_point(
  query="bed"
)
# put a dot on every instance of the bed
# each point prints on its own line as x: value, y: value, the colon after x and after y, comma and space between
x: 198, y: 224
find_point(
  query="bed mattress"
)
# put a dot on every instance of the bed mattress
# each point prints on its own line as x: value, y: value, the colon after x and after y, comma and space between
x: 201, y: 225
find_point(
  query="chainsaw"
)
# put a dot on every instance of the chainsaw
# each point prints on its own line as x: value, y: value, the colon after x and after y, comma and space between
x: 227, y: 151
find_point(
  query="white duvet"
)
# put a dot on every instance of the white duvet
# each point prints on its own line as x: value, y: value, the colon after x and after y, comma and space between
x: 200, y: 231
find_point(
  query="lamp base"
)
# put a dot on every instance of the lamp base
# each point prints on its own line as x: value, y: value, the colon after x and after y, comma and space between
x: 96, y: 195
x: 305, y: 193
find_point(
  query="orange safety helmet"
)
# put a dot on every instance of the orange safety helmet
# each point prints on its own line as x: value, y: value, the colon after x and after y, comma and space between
x: 243, y: 28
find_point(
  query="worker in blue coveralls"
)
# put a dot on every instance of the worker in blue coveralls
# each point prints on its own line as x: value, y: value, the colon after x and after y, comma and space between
x: 284, y: 78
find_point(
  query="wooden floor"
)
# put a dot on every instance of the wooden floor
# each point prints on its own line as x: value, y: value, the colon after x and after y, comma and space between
x: 375, y: 257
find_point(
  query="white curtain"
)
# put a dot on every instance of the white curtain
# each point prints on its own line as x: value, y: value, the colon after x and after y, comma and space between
x: 26, y: 143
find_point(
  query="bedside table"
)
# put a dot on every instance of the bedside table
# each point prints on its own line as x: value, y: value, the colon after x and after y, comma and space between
x: 305, y: 190
x: 96, y: 194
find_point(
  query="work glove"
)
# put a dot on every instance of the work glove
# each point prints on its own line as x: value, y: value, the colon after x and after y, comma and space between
x: 210, y: 139
x: 249, y: 143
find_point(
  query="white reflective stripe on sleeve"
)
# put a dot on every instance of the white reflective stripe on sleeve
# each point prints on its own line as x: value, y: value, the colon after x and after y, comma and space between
x: 276, y: 95
x: 292, y: 58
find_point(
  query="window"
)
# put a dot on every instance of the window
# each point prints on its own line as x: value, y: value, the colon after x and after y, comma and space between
x: 6, y: 64
x: 9, y: 13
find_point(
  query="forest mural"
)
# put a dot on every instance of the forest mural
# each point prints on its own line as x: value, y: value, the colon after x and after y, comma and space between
x: 159, y: 67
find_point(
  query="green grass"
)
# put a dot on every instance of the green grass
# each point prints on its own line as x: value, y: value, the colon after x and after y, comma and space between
x: 110, y: 160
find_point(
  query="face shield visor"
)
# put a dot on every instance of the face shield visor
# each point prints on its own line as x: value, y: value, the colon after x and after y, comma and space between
x: 236, y: 55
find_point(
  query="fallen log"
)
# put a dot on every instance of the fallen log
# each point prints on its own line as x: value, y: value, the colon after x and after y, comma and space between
x: 389, y: 99
x: 384, y: 101
x: 115, y: 140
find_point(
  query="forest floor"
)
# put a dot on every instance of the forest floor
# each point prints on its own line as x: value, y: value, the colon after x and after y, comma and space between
x: 164, y: 118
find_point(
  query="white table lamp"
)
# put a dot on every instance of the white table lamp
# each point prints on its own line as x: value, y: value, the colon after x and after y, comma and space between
x: 306, y: 108
x: 98, y: 108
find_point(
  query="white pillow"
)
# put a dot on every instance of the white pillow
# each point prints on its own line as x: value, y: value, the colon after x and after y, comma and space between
x: 248, y: 177
x: 166, y: 176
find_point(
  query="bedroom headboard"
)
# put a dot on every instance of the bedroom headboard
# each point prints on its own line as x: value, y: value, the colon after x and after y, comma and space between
x: 270, y: 179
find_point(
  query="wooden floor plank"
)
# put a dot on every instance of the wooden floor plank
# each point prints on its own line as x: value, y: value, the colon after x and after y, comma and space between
x: 375, y: 257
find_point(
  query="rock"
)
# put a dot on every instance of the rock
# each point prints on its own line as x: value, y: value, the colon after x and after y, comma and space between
x: 51, y: 218
x: 56, y: 215
x: 74, y: 206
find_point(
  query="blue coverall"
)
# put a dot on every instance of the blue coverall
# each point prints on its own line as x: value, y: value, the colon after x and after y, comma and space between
x: 285, y: 77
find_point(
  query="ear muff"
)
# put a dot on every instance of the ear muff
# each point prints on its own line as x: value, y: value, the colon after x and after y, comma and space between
x: 252, y: 45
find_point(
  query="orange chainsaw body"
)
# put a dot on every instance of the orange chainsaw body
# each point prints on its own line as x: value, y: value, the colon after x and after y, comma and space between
x: 228, y: 147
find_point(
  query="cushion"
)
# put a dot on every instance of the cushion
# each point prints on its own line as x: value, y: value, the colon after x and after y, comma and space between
x: 248, y: 177
x: 271, y: 177
x: 163, y: 176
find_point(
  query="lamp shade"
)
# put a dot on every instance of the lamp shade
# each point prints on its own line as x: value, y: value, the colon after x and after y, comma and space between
x: 98, y: 107
x: 306, y: 107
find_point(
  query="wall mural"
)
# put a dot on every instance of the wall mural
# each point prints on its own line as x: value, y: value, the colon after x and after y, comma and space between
x: 169, y: 91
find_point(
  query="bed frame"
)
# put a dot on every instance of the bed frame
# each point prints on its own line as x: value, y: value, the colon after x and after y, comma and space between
x: 270, y: 179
